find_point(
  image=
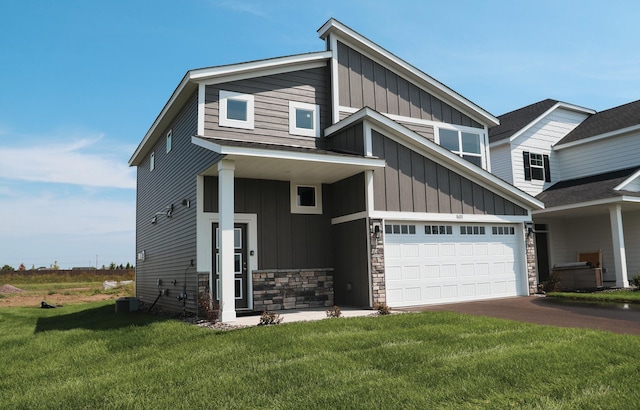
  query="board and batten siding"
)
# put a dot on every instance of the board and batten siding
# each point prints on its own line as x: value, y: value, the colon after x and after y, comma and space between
x: 285, y: 240
x: 348, y: 141
x: 349, y: 196
x: 170, y: 244
x: 351, y: 271
x: 412, y: 183
x: 540, y: 139
x: 272, y: 95
x: 363, y: 82
x: 598, y: 157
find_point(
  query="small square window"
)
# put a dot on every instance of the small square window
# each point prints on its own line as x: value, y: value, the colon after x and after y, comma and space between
x: 412, y: 229
x: 388, y: 229
x: 306, y: 198
x: 236, y: 110
x: 304, y: 119
x: 169, y: 138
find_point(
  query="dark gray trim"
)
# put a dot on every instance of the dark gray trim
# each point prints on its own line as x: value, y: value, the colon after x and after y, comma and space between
x: 351, y: 271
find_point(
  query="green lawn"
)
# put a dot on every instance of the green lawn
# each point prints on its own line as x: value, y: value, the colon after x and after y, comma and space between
x: 621, y: 296
x: 85, y: 356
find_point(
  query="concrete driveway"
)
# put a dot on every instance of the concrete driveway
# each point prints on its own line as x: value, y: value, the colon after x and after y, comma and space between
x: 548, y: 311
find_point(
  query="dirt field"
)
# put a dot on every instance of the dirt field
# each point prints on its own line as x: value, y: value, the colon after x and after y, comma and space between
x: 13, y: 296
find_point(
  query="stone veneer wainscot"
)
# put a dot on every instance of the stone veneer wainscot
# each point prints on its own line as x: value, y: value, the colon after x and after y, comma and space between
x: 280, y: 289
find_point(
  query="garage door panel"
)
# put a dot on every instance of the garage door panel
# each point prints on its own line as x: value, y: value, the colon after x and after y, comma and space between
x: 449, y: 266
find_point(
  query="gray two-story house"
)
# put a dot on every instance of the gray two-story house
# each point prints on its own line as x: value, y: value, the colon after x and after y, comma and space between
x: 345, y: 176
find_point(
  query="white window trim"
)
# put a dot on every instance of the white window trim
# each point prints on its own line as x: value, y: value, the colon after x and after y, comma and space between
x: 532, y: 166
x: 152, y: 161
x: 223, y: 121
x: 169, y: 140
x: 460, y: 152
x: 297, y: 209
x: 294, y: 130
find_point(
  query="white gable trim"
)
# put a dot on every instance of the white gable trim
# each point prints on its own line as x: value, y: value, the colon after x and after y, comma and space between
x: 556, y: 106
x: 390, y: 61
x: 633, y: 179
x: 578, y: 205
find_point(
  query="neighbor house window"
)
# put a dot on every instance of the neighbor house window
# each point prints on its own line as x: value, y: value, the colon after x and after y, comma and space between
x: 464, y: 144
x: 536, y: 166
x: 304, y: 119
x: 152, y: 161
x: 236, y: 110
x: 306, y: 198
x: 169, y: 137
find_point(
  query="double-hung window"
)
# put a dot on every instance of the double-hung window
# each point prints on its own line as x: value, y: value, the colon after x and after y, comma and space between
x: 304, y: 119
x: 467, y: 145
x: 236, y: 110
x: 536, y: 166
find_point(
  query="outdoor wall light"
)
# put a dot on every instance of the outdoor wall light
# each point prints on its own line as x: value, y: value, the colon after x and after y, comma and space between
x: 186, y: 202
x: 154, y: 220
x: 170, y: 211
x: 377, y: 229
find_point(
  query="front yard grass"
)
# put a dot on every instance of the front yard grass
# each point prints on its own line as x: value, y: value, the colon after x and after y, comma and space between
x: 620, y: 296
x: 86, y: 356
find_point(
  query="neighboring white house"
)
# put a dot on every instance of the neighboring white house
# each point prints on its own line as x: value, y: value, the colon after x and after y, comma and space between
x: 585, y: 167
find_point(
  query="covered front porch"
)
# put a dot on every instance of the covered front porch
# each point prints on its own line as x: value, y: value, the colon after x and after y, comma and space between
x: 297, y: 178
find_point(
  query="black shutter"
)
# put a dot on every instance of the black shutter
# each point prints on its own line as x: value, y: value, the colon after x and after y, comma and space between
x: 527, y: 166
x: 547, y: 168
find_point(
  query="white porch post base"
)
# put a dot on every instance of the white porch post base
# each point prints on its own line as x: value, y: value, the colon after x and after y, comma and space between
x: 226, y: 170
x: 619, y: 253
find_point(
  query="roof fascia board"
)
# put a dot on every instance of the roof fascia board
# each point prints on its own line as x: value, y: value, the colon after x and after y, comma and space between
x: 258, y: 68
x: 434, y: 151
x: 627, y: 181
x: 134, y: 160
x: 578, y: 205
x: 287, y: 155
x: 375, y: 52
x: 598, y: 137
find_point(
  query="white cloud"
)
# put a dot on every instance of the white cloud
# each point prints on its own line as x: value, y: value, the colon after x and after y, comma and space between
x: 68, y: 163
x: 243, y: 7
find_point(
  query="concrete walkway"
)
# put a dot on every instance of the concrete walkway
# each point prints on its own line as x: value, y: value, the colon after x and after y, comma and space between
x: 617, y: 318
x: 303, y: 315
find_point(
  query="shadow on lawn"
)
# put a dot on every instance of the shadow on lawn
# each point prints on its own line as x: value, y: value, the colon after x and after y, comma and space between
x: 100, y: 318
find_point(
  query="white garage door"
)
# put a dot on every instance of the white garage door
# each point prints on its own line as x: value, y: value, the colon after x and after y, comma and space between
x: 428, y: 263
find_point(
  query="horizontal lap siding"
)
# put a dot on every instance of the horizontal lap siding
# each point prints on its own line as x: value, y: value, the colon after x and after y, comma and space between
x: 363, y: 82
x: 285, y: 240
x: 411, y: 182
x: 271, y: 98
x: 170, y: 244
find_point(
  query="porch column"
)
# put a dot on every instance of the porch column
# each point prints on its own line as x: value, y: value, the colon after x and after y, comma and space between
x: 226, y: 290
x: 619, y: 254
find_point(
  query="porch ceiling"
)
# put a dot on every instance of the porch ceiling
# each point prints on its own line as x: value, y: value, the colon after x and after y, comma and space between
x: 307, y: 165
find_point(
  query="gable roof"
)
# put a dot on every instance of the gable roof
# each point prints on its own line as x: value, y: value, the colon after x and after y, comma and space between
x: 516, y: 122
x: 586, y: 189
x: 605, y: 123
x: 437, y: 153
x: 396, y: 64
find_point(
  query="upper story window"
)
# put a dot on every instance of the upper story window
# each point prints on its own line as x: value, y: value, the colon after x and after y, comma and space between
x: 464, y: 144
x: 152, y: 161
x: 169, y: 137
x: 536, y: 166
x: 306, y: 198
x: 236, y: 110
x: 304, y: 119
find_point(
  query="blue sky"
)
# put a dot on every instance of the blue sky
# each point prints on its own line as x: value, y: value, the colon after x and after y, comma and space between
x: 82, y: 81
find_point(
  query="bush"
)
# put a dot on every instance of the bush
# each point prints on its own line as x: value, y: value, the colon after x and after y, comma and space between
x: 553, y: 284
x: 635, y: 282
x: 210, y: 310
x: 334, y: 312
x: 382, y: 309
x: 270, y: 318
